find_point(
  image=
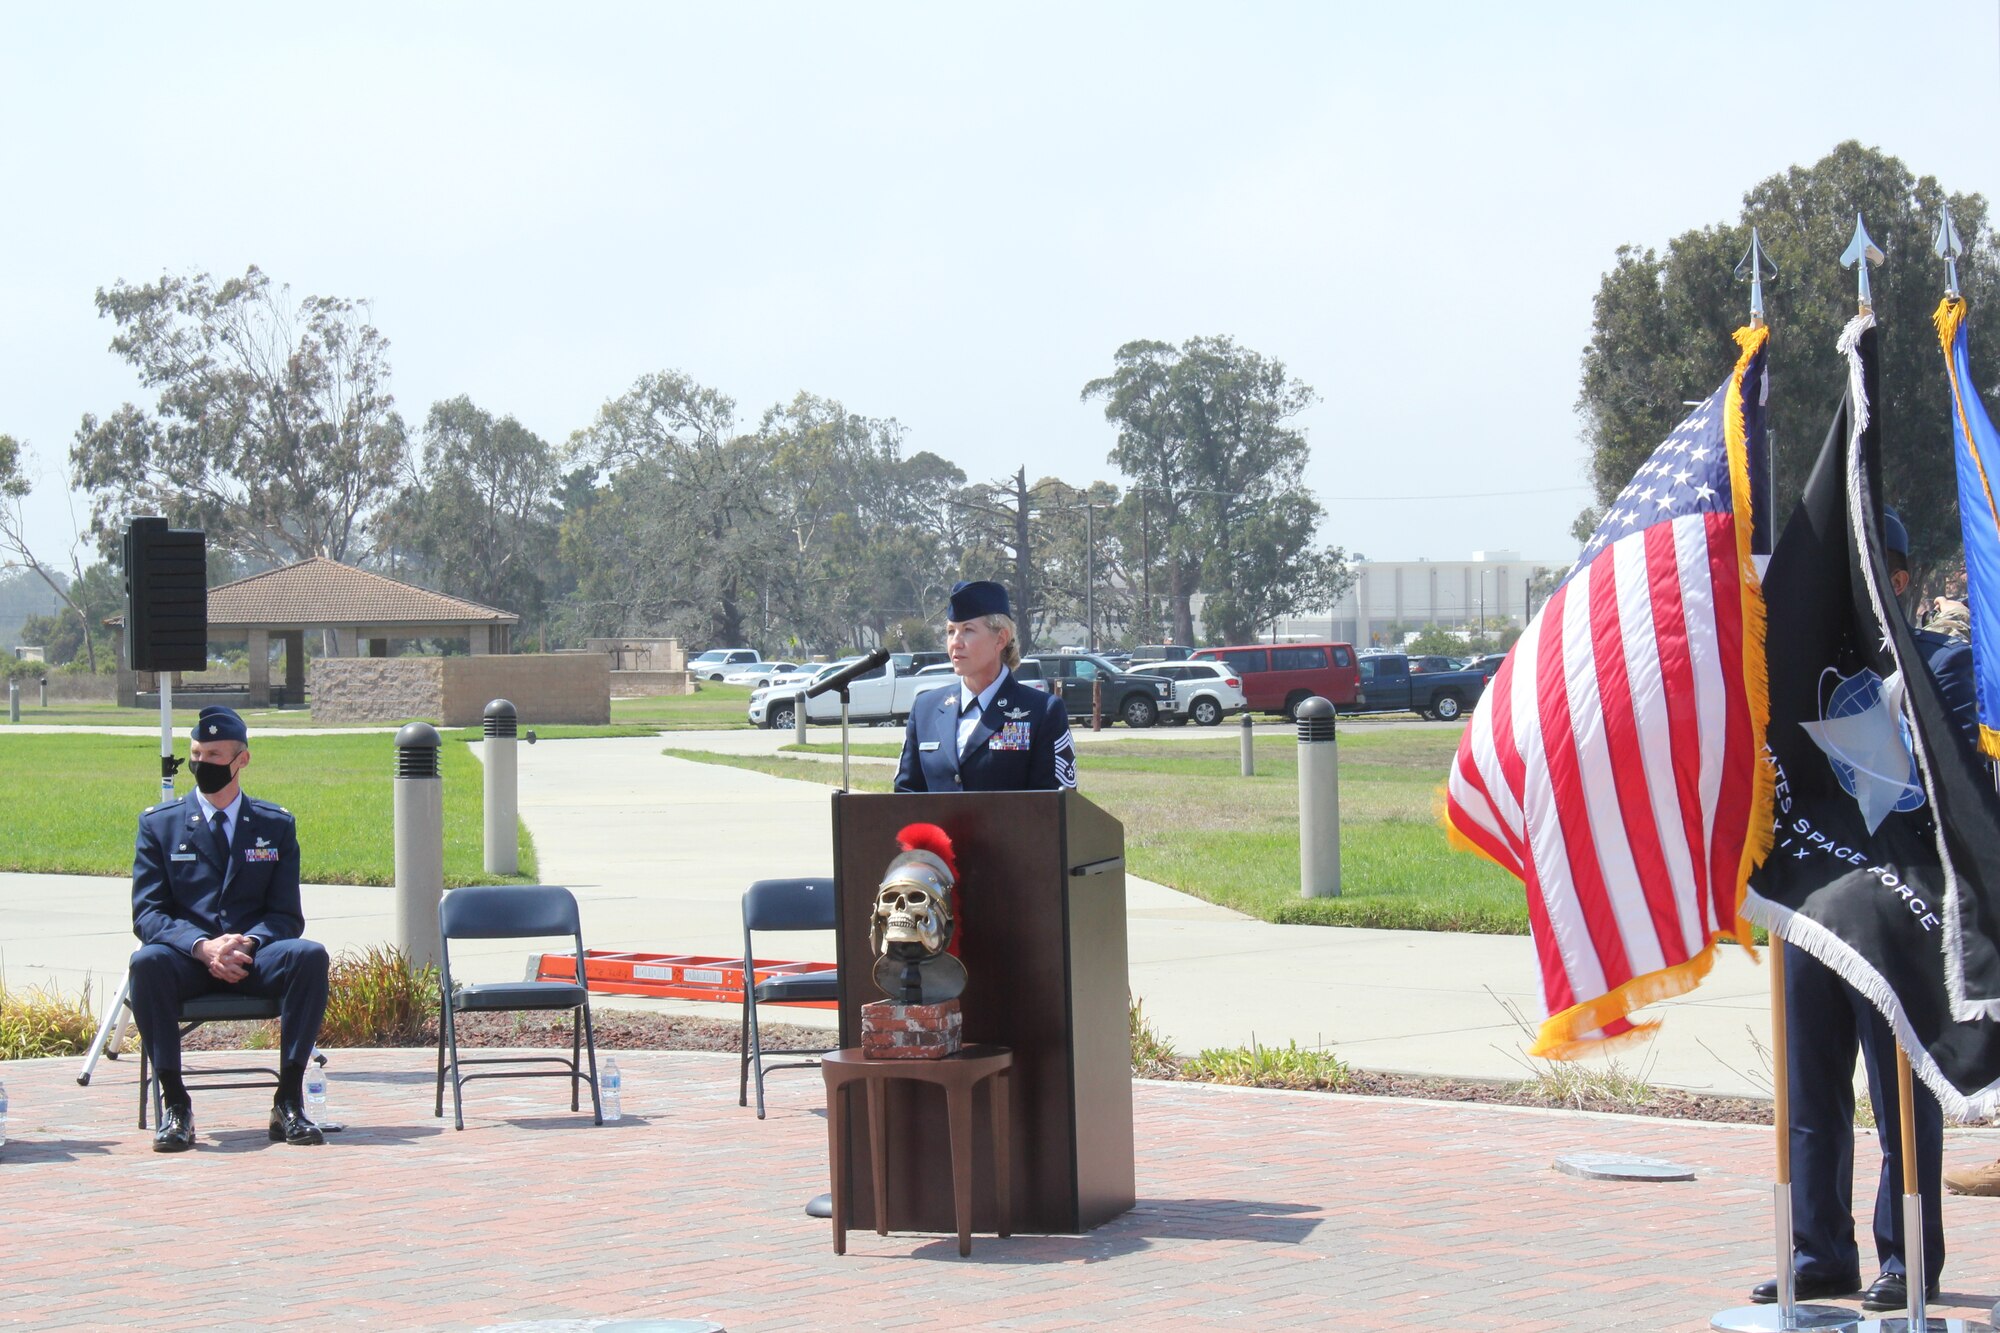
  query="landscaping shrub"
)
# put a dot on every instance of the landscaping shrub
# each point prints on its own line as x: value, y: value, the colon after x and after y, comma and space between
x: 376, y: 998
x: 40, y: 1022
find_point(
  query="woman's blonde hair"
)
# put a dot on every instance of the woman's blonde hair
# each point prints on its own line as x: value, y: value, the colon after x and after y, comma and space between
x: 1011, y: 654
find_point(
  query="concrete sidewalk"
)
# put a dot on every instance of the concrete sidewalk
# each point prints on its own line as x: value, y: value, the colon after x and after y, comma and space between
x: 659, y: 851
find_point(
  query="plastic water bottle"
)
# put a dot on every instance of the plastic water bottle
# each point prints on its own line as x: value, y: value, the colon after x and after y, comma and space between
x: 3, y: 1114
x: 315, y: 1088
x: 609, y: 1085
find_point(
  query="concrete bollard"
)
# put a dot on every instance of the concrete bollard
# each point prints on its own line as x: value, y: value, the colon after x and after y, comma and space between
x: 13, y: 701
x: 500, y: 724
x: 419, y: 843
x: 1249, y: 748
x: 1319, y: 801
x: 45, y: 691
x: 799, y: 719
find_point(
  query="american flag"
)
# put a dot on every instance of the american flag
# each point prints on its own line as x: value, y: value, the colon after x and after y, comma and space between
x: 1614, y: 764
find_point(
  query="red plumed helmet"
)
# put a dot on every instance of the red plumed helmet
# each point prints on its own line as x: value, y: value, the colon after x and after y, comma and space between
x: 928, y: 838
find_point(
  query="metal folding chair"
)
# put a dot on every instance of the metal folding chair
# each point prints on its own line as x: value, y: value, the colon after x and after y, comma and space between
x: 773, y: 905
x: 506, y: 912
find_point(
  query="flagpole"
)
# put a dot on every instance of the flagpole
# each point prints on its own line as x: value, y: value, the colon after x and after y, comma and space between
x: 1787, y: 1315
x: 1860, y: 252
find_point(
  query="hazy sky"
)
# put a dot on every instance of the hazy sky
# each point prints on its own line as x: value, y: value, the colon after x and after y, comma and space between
x: 951, y: 214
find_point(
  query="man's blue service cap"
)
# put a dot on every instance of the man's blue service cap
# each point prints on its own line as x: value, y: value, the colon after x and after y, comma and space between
x: 1894, y: 535
x: 217, y: 723
x: 969, y: 601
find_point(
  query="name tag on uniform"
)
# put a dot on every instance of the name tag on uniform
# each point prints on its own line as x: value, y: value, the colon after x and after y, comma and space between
x: 181, y: 856
x: 927, y: 745
x: 260, y: 853
x: 1011, y: 736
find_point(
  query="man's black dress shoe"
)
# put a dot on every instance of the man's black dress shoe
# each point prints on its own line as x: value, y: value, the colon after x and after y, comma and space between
x: 1805, y: 1289
x: 288, y: 1122
x: 1891, y: 1291
x: 176, y: 1131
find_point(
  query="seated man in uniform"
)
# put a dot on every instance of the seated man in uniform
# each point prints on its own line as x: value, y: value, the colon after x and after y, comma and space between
x: 215, y: 904
x: 992, y: 733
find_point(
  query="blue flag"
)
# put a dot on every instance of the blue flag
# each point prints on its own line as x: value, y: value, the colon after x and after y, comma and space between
x: 1977, y: 447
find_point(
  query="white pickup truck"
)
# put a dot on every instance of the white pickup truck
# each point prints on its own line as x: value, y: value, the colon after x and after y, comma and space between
x: 883, y: 695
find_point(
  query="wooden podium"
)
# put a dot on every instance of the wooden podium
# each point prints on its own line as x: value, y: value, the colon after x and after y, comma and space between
x: 1041, y: 892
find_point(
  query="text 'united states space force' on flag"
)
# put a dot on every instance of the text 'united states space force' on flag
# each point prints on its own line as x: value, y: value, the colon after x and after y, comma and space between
x: 1613, y: 764
x: 1976, y: 446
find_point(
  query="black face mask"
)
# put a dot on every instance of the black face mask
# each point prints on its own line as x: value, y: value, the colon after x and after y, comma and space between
x: 211, y: 778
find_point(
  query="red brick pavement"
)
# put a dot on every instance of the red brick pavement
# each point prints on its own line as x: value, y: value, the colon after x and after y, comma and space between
x: 1256, y: 1210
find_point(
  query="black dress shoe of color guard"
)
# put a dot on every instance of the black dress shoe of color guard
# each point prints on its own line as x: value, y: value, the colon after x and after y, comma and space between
x: 1806, y: 1289
x: 176, y: 1131
x: 1891, y: 1291
x: 288, y: 1122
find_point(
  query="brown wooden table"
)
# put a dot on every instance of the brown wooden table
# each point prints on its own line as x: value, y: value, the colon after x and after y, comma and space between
x: 958, y: 1075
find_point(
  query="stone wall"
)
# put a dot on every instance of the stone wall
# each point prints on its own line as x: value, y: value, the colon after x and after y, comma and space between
x: 454, y: 691
x: 544, y: 687
x: 627, y: 684
x: 378, y: 689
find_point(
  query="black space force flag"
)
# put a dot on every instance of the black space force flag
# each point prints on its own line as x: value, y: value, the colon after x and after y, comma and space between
x: 1886, y: 864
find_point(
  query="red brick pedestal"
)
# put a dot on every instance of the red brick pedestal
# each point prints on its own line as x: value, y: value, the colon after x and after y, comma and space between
x: 892, y: 1031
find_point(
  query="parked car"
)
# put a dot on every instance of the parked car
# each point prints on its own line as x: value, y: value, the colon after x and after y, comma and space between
x: 1277, y: 678
x: 911, y: 663
x: 1162, y: 652
x: 755, y: 674
x: 1138, y: 699
x: 881, y: 695
x: 1205, y: 692
x: 1388, y: 686
x: 1434, y: 662
x: 711, y: 664
x: 1486, y: 664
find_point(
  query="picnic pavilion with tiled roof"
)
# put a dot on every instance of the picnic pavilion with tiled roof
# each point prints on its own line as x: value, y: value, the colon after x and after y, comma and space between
x: 360, y: 612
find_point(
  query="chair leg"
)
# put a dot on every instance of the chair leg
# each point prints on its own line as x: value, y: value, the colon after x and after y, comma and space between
x: 438, y: 1111
x: 756, y: 1051
x: 145, y: 1080
x: 590, y: 1044
x: 743, y: 1051
x: 457, y: 1079
x: 575, y: 1059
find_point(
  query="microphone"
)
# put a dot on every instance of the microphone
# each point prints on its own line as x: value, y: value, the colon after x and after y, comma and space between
x: 841, y: 679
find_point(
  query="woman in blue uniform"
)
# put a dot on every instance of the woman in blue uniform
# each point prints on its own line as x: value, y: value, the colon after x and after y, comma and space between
x: 991, y: 732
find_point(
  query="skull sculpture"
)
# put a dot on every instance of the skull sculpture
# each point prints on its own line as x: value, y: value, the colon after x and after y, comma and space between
x: 914, y: 924
x: 913, y: 917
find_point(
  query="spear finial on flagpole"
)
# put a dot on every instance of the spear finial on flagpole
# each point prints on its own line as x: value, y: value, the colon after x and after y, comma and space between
x: 1949, y: 248
x: 1756, y: 266
x: 1860, y: 253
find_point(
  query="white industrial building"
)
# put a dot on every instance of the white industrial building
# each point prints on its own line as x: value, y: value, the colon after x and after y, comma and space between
x: 1393, y: 598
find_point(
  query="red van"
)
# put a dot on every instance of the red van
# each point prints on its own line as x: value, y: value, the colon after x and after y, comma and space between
x: 1278, y: 677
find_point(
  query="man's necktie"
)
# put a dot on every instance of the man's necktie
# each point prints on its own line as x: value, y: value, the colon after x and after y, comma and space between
x: 218, y: 828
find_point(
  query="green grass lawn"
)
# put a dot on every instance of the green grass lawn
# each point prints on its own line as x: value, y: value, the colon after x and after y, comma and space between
x: 712, y: 707
x: 72, y: 804
x: 1192, y: 822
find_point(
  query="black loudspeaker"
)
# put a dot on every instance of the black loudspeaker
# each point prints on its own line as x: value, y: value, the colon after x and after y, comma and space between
x: 166, y: 596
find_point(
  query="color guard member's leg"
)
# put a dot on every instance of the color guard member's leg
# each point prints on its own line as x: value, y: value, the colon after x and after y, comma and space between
x: 1878, y: 1048
x: 1824, y: 1043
